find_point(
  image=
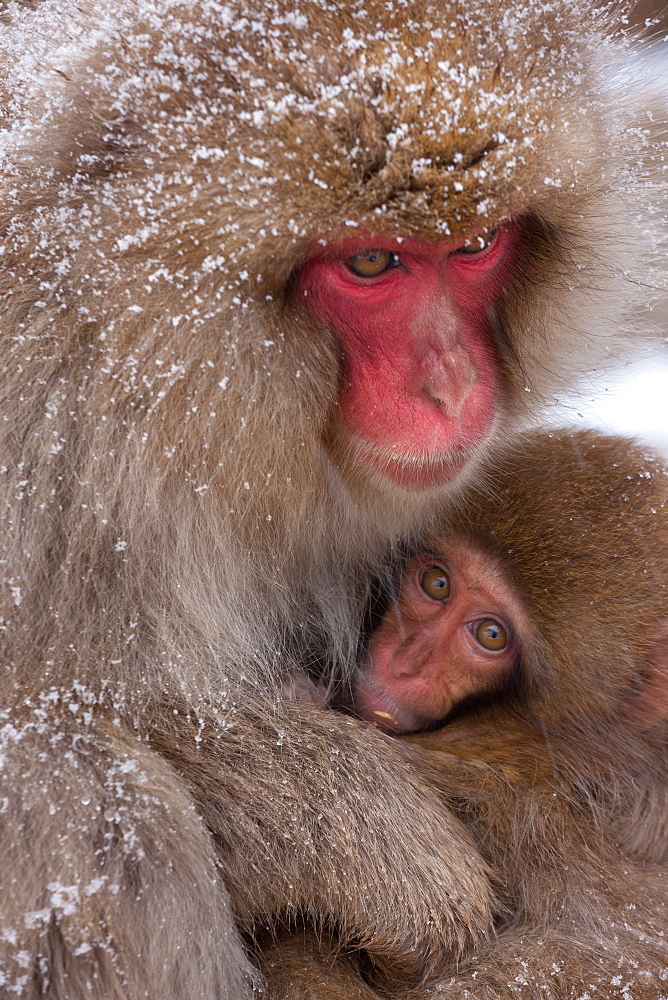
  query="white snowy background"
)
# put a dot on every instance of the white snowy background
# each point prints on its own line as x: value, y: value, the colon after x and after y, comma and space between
x: 634, y: 399
x: 631, y: 401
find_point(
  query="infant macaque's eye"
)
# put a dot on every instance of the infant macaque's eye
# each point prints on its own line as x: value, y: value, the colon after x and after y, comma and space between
x: 436, y: 583
x: 491, y: 634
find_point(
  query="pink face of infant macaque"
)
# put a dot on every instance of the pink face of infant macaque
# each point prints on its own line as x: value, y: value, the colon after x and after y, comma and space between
x: 452, y: 633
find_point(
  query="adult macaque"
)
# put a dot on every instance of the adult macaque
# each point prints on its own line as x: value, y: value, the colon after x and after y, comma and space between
x: 561, y: 776
x: 274, y: 278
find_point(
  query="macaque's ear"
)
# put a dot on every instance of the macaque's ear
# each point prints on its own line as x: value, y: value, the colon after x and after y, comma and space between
x: 650, y: 707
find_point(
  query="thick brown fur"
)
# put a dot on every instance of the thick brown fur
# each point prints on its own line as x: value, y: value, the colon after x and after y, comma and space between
x: 564, y: 786
x: 165, y: 409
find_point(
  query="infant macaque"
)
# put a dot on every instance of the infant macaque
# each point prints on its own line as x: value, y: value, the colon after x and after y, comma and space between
x: 454, y: 632
x: 507, y: 605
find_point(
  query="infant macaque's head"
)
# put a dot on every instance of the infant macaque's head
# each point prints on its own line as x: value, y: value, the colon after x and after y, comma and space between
x: 453, y: 632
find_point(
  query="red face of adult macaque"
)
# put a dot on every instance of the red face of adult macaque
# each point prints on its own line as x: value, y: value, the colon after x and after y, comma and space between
x: 420, y: 384
x: 453, y: 632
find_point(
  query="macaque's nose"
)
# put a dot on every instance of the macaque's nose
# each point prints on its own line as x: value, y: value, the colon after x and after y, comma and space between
x: 411, y: 657
x: 448, y: 377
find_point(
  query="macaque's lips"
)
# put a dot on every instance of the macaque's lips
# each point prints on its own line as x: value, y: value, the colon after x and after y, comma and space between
x: 397, y: 721
x: 410, y: 472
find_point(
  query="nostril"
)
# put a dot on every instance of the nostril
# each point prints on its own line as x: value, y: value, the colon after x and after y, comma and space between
x: 448, y: 394
x: 434, y: 394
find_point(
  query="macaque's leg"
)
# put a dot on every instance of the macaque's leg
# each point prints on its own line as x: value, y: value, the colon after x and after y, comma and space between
x: 535, y: 966
x: 518, y: 966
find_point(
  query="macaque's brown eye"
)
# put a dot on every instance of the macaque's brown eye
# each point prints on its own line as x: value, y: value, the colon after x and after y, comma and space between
x: 477, y: 243
x: 436, y: 583
x: 370, y: 263
x: 491, y: 634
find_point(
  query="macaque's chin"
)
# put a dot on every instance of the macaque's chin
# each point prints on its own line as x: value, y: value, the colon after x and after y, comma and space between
x: 408, y: 471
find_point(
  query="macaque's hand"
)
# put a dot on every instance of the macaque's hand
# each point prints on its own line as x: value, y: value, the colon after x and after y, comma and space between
x: 298, y: 686
x: 320, y: 816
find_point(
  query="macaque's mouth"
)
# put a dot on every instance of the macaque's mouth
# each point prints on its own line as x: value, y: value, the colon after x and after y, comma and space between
x: 392, y: 715
x: 399, y: 721
x: 410, y: 471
